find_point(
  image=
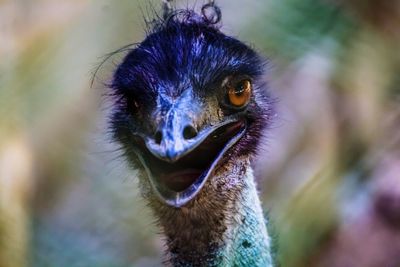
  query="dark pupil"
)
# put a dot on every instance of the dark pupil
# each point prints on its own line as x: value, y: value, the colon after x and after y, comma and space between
x: 132, y: 105
x: 239, y: 89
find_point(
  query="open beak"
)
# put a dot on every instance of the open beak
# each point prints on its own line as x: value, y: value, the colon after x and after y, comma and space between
x: 179, y: 159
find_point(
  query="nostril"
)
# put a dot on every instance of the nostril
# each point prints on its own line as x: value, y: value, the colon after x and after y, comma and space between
x: 158, y: 137
x: 189, y: 132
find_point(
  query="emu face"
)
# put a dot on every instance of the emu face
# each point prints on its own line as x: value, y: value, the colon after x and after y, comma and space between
x: 188, y: 98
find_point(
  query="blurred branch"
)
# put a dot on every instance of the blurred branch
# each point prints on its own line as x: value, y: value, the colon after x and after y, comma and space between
x: 15, y: 192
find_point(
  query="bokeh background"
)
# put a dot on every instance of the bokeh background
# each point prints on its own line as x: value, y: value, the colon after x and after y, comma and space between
x: 329, y: 170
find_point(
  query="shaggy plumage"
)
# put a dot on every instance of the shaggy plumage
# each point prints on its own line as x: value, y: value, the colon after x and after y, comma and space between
x: 180, y: 70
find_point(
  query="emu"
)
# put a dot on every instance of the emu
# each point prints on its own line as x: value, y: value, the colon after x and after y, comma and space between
x: 189, y: 109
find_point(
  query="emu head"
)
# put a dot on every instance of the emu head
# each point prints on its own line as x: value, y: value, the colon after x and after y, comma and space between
x: 188, y: 100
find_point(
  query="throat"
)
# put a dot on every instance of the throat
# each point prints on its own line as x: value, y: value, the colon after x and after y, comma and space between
x: 223, y: 226
x: 248, y: 242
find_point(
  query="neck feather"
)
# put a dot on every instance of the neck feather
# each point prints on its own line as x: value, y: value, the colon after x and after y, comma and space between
x: 247, y: 241
x: 223, y: 226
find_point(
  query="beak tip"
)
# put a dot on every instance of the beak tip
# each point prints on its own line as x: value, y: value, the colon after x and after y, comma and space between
x: 171, y: 156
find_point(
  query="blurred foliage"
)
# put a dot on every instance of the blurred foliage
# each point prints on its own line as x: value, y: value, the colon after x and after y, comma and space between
x: 51, y: 120
x: 336, y: 71
x: 291, y: 28
x: 330, y: 159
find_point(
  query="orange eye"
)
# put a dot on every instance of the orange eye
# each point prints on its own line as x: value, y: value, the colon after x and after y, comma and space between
x: 239, y: 94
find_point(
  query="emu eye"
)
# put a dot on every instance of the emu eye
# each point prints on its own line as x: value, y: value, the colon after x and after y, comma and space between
x: 132, y: 106
x: 239, y: 94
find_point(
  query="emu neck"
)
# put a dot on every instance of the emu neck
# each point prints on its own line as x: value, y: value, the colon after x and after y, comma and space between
x: 223, y: 226
x: 247, y: 242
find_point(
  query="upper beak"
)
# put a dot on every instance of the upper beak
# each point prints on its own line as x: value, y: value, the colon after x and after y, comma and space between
x: 175, y: 137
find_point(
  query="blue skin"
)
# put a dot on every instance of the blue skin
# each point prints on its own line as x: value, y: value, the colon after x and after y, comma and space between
x: 174, y: 79
x: 250, y: 242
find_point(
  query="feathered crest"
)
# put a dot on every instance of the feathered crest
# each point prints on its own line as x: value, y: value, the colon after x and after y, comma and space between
x: 210, y: 16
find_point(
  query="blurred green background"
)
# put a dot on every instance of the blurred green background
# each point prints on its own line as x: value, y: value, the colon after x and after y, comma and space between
x: 329, y: 170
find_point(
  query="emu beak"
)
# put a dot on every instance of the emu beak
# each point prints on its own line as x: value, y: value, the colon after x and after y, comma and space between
x: 179, y: 158
x: 175, y: 137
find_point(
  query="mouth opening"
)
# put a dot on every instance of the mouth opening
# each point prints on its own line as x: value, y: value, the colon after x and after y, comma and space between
x: 180, y: 175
